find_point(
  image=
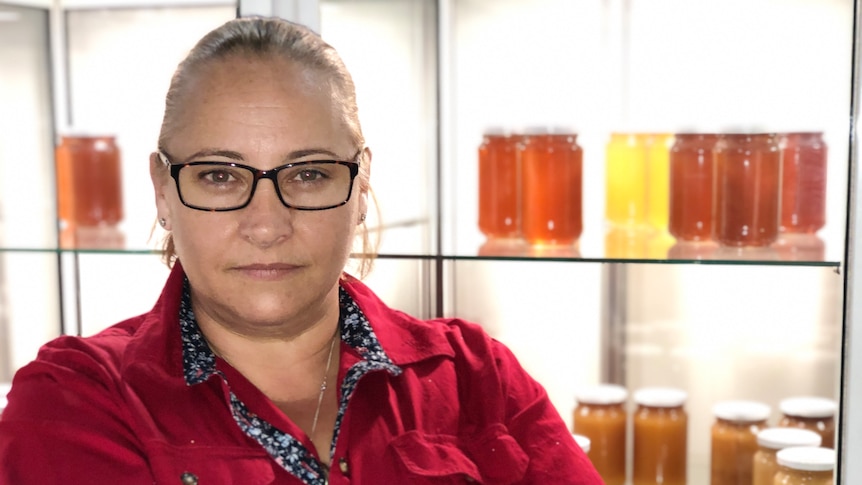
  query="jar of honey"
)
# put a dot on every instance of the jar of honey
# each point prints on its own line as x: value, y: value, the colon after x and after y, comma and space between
x: 660, y: 437
x: 89, y: 182
x: 600, y: 415
x: 803, y: 186
x: 805, y: 466
x: 747, y: 187
x: 814, y: 413
x: 499, y: 185
x: 551, y: 187
x: 769, y: 442
x: 690, y: 186
x: 583, y: 442
x: 625, y: 179
x: 734, y: 440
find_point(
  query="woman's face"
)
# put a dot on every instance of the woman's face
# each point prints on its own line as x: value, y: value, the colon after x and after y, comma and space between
x: 264, y: 266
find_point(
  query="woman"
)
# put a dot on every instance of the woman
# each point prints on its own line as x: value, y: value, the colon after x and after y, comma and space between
x: 262, y: 361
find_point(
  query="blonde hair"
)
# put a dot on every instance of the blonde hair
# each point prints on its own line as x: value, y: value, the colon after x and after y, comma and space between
x: 263, y: 36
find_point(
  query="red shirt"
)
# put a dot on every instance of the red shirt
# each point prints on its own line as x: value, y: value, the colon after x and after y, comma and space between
x: 438, y: 402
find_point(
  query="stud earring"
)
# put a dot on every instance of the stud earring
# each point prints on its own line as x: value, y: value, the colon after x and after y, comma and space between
x: 362, y: 217
x: 163, y: 222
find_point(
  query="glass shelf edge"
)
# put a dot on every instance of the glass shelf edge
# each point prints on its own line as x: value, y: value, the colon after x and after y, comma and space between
x: 454, y: 257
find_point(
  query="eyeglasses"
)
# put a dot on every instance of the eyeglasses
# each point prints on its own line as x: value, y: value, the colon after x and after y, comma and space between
x: 226, y: 186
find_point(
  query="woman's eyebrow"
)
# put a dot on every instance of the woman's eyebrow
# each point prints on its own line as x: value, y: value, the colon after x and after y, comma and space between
x: 296, y: 154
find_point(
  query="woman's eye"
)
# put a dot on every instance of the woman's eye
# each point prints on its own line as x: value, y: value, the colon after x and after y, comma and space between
x: 217, y: 176
x: 309, y: 175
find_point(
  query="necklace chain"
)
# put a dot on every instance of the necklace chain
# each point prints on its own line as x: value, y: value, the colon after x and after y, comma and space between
x: 323, y: 386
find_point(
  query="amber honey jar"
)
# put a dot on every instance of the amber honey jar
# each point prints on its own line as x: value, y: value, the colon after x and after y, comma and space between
x: 769, y: 442
x: 734, y: 440
x: 805, y: 466
x: 551, y: 185
x: 600, y: 415
x: 747, y: 189
x: 89, y: 181
x: 803, y: 186
x: 814, y: 413
x: 499, y: 185
x: 660, y: 437
x: 690, y: 186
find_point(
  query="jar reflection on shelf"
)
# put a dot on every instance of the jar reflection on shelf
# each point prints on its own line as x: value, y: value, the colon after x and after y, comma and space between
x: 512, y: 247
x: 627, y: 241
x: 745, y: 253
x: 92, y: 237
x: 800, y: 247
x: 692, y: 250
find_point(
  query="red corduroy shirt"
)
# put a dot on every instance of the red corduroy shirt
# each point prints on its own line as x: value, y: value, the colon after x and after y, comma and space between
x: 116, y: 408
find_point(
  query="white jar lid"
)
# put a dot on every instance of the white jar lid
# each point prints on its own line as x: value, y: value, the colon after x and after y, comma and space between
x: 582, y: 441
x: 602, y: 394
x: 778, y: 438
x: 660, y: 397
x: 808, y: 458
x: 808, y: 407
x: 741, y: 411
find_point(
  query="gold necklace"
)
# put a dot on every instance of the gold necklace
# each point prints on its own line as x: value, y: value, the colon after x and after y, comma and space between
x: 323, y: 385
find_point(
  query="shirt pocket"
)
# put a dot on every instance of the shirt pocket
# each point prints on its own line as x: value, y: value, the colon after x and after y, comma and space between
x: 488, y: 456
x: 210, y: 465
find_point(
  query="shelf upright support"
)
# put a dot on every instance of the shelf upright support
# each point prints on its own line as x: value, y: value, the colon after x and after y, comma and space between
x: 850, y: 437
x: 612, y: 337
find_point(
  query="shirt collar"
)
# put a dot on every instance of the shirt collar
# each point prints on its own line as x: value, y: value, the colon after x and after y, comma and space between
x: 199, y: 361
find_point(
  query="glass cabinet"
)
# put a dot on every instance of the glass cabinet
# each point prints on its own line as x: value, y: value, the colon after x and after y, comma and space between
x: 625, y: 303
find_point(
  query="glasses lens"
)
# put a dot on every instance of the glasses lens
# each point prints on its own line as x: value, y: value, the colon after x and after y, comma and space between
x: 313, y: 185
x: 215, y: 186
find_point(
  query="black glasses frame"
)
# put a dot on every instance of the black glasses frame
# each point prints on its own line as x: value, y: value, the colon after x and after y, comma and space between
x: 270, y: 174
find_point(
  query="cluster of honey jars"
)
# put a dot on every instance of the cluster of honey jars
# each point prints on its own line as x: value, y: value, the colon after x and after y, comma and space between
x: 745, y: 450
x: 732, y: 189
x: 530, y: 186
x: 660, y: 425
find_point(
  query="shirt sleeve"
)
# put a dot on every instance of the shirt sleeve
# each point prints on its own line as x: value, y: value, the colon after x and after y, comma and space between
x: 537, y: 426
x: 63, y: 424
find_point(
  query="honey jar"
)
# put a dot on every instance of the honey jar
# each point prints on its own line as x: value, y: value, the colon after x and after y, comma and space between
x: 660, y: 437
x: 734, y: 440
x: 803, y: 465
x: 814, y: 413
x: 551, y: 187
x: 747, y: 189
x: 499, y: 215
x: 769, y: 442
x: 690, y: 186
x: 600, y: 415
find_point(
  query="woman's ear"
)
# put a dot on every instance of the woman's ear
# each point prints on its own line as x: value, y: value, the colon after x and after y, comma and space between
x: 161, y: 177
x: 364, y: 184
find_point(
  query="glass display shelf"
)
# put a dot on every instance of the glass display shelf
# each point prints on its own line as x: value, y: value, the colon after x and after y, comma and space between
x: 551, y: 256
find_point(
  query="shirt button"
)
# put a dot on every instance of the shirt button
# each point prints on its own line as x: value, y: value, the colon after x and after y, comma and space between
x: 342, y: 465
x: 189, y: 478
